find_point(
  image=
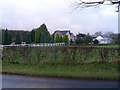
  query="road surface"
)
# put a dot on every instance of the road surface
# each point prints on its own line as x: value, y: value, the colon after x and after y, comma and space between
x: 15, y: 81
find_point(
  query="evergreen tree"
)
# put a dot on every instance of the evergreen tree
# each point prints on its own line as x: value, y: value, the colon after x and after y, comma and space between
x: 79, y: 40
x: 28, y: 39
x: 57, y: 38
x: 115, y: 38
x: 6, y: 38
x: 47, y: 36
x: 65, y: 39
x: 1, y: 37
x: 17, y: 39
x: 42, y: 33
x: 83, y: 39
x: 24, y: 37
x: 32, y: 35
x: 42, y: 39
x: 60, y: 39
x: 96, y: 41
x: 52, y: 39
x: 88, y: 39
x: 10, y: 38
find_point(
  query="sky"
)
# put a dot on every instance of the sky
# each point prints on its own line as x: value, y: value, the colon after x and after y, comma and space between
x: 57, y: 14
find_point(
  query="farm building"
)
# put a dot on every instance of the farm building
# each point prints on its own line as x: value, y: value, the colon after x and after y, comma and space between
x: 61, y: 33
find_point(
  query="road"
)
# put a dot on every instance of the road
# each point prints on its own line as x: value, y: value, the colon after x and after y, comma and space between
x: 15, y: 81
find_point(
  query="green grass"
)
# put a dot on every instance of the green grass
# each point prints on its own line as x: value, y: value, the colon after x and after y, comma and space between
x: 102, y: 46
x: 38, y: 62
x: 104, y: 71
x: 108, y: 46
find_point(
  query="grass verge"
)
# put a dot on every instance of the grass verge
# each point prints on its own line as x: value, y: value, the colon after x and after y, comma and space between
x: 101, y: 71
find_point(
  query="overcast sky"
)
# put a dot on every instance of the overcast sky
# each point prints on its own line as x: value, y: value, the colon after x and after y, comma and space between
x: 56, y: 14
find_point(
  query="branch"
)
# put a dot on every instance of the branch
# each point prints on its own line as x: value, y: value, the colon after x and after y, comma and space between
x: 83, y: 4
x: 98, y: 2
x: 117, y: 2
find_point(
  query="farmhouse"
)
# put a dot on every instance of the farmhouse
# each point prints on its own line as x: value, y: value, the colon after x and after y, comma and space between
x: 103, y: 40
x: 61, y: 33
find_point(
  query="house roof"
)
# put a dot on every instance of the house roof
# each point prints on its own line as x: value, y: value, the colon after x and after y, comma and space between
x: 102, y: 38
x: 99, y: 38
x: 62, y: 32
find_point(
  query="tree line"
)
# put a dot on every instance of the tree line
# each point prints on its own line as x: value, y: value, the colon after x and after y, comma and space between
x: 38, y: 35
x: 42, y: 35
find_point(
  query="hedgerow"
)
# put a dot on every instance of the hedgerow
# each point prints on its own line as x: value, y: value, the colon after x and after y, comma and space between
x: 59, y: 55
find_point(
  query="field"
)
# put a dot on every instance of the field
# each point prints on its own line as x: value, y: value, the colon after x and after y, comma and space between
x: 81, y: 62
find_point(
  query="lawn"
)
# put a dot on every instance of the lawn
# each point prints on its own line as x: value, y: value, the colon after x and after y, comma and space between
x: 103, y: 71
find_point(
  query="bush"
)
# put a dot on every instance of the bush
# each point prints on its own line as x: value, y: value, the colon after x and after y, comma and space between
x: 60, y: 55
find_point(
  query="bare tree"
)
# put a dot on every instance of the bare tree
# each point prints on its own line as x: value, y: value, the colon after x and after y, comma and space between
x: 95, y: 3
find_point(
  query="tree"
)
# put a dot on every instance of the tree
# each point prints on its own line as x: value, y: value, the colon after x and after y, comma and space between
x: 57, y: 38
x: 115, y: 38
x: 81, y: 35
x: 39, y: 34
x: 83, y: 38
x: 96, y: 41
x: 98, y: 33
x: 28, y: 38
x: 10, y: 38
x: 61, y: 39
x: 24, y: 37
x: 79, y: 40
x: 88, y: 39
x: 71, y: 41
x: 52, y: 38
x: 108, y: 34
x: 17, y: 39
x: 94, y: 3
x: 1, y: 37
x: 43, y: 39
x: 32, y: 35
x: 47, y: 36
x: 118, y: 39
x: 65, y: 39
x: 6, y: 38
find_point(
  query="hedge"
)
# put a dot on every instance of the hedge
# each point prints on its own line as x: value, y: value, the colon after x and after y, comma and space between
x: 59, y: 54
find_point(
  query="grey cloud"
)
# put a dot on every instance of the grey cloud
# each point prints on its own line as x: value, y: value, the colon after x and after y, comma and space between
x: 57, y: 15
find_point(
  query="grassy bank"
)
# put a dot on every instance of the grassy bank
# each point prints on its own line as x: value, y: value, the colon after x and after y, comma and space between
x: 104, y: 71
x: 66, y: 61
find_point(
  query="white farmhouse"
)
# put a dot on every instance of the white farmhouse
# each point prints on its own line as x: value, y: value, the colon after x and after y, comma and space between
x: 103, y: 40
